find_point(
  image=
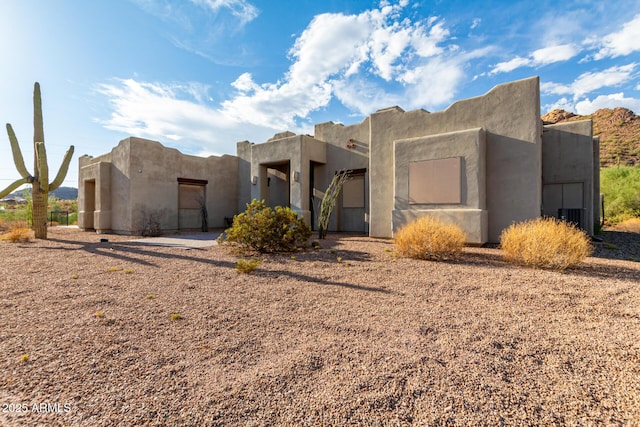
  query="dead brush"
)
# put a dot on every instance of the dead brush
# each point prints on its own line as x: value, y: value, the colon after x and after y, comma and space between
x: 545, y: 243
x: 631, y: 225
x: 19, y: 232
x: 429, y: 238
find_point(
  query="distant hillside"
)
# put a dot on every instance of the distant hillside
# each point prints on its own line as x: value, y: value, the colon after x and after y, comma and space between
x: 619, y: 131
x: 64, y: 193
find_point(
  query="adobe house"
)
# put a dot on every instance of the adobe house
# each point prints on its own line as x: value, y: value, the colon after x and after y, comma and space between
x: 483, y: 163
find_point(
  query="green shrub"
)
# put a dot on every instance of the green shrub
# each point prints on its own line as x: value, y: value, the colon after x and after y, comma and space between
x: 621, y: 188
x: 429, y: 238
x: 545, y: 243
x: 247, y: 265
x: 263, y: 229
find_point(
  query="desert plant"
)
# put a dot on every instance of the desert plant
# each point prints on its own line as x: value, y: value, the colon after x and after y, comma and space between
x: 175, y: 316
x: 40, y: 178
x: 329, y: 201
x: 263, y: 229
x: 247, y: 265
x: 621, y: 188
x: 429, y: 238
x: 545, y: 243
x: 631, y: 225
x: 18, y: 234
x: 150, y: 223
x: 204, y: 213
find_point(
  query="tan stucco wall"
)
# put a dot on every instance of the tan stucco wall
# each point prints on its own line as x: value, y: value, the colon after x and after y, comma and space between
x: 297, y: 151
x: 243, y: 150
x: 568, y: 157
x: 470, y: 214
x: 510, y: 115
x: 95, y: 208
x: 140, y: 176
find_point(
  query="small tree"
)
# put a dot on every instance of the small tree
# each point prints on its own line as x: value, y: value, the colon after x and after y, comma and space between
x: 329, y: 201
x: 40, y: 178
x: 263, y: 229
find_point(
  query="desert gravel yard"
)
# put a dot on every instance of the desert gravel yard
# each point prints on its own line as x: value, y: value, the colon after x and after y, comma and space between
x: 122, y: 333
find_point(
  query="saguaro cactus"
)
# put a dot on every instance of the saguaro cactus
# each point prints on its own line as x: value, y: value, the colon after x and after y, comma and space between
x: 40, y: 178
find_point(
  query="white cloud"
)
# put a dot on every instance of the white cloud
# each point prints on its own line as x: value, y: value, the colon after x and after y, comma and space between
x: 589, y: 82
x: 362, y: 95
x: 241, y: 9
x: 551, y: 54
x: 510, y: 65
x: 622, y: 42
x: 544, y: 56
x: 277, y: 105
x: 433, y: 83
x: 171, y: 112
x: 208, y: 28
x: 352, y: 58
x: 561, y: 104
x: 607, y: 101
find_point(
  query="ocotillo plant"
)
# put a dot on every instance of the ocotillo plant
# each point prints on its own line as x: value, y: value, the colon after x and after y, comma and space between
x: 329, y: 201
x: 40, y: 178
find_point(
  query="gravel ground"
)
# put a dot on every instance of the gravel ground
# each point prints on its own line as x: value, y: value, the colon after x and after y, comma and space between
x: 343, y: 335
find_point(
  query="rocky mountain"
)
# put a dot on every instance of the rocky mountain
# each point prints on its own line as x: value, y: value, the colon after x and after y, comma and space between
x: 63, y: 193
x: 619, y: 131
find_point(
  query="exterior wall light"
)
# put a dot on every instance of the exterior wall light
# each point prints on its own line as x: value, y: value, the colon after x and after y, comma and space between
x: 296, y: 176
x: 254, y: 180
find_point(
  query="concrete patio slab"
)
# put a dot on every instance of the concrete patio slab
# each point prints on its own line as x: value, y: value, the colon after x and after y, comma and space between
x: 188, y: 241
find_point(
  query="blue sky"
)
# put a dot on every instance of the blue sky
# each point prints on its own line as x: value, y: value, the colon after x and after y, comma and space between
x: 200, y: 75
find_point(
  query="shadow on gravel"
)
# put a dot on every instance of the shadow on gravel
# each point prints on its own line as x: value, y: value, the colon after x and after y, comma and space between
x: 317, y: 280
x: 129, y: 251
x: 606, y: 272
x: 618, y: 245
x: 592, y: 269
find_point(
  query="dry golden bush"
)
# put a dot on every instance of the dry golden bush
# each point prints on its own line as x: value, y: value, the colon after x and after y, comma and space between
x: 545, y: 243
x: 18, y: 235
x: 631, y: 225
x: 429, y: 238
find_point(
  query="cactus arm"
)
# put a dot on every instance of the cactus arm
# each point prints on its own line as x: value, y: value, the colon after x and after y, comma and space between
x: 18, y: 160
x: 38, y: 128
x: 43, y: 168
x: 13, y: 186
x: 62, y: 172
